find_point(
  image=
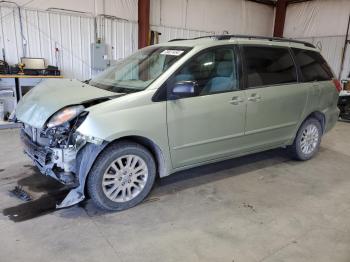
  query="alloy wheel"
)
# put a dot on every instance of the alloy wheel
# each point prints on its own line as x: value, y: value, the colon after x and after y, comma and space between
x: 309, y: 139
x: 125, y: 178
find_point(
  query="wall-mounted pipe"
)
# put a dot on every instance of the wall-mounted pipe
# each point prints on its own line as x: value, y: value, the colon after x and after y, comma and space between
x: 68, y: 11
x: 95, y: 21
x: 24, y: 40
x: 112, y: 17
x: 104, y: 7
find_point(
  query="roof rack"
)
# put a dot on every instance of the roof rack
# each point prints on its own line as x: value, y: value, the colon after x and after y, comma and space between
x: 179, y: 39
x: 228, y: 37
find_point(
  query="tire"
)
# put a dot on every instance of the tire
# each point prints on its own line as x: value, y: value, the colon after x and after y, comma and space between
x: 307, y: 141
x: 122, y: 176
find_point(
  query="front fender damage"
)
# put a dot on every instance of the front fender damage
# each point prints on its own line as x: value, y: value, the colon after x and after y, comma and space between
x: 84, y: 162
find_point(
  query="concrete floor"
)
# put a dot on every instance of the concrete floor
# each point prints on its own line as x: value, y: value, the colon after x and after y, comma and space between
x: 263, y: 207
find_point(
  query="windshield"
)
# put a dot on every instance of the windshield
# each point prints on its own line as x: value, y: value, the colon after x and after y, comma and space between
x: 138, y: 71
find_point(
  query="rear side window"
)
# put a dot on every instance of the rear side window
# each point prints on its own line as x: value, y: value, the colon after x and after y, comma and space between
x: 312, y: 66
x: 268, y: 66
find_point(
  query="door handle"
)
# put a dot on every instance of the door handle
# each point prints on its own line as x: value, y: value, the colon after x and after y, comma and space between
x: 236, y: 100
x: 254, y: 98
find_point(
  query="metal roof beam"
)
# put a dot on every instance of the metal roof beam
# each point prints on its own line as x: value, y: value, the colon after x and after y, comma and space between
x: 143, y: 22
x: 264, y: 2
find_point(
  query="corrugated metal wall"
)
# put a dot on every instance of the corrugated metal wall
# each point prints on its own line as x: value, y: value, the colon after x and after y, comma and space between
x: 324, y: 23
x: 168, y: 33
x: 121, y: 37
x: 10, y: 38
x: 233, y: 16
x: 71, y: 34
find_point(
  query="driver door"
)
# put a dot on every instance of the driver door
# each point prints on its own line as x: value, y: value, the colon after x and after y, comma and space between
x: 209, y: 124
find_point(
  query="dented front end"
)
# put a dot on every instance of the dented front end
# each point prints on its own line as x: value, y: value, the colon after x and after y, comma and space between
x: 53, y: 150
x: 51, y: 114
x: 58, y: 153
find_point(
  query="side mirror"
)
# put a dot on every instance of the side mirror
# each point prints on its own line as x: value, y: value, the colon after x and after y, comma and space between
x: 183, y: 89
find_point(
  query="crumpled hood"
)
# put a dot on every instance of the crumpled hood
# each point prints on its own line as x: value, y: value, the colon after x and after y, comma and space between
x: 45, y: 99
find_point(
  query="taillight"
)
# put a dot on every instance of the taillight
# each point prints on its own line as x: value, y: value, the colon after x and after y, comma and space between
x: 337, y: 85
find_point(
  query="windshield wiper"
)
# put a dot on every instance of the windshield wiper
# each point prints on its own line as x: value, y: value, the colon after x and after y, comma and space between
x: 113, y: 88
x: 123, y: 89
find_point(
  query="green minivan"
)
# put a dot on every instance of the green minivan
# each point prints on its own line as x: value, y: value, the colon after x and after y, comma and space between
x: 174, y: 106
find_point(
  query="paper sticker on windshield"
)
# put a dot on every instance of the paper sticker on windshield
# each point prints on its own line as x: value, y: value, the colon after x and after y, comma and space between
x: 172, y: 52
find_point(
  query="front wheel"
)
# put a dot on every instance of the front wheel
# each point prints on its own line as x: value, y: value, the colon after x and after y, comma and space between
x: 308, y: 140
x: 122, y: 176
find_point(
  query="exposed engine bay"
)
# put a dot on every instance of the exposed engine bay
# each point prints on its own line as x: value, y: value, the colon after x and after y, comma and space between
x: 54, y: 150
x: 57, y: 150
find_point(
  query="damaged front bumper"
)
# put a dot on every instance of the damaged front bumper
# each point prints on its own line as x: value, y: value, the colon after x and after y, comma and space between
x: 57, y: 163
x: 69, y: 165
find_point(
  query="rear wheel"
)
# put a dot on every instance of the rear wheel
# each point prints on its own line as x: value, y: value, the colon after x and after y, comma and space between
x: 308, y: 140
x: 122, y: 176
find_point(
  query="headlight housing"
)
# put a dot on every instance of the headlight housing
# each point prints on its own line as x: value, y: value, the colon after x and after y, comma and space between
x: 65, y: 115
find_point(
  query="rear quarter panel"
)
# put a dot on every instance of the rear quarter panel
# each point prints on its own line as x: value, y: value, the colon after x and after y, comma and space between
x: 322, y: 97
x: 329, y: 103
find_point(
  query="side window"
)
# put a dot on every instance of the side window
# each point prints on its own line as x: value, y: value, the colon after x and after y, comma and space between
x: 214, y: 71
x: 312, y: 65
x: 268, y: 66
